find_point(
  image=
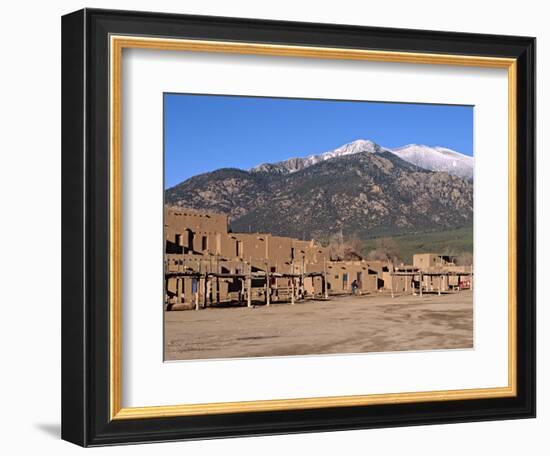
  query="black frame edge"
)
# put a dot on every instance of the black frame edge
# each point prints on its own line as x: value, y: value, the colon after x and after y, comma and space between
x: 526, y: 226
x: 73, y: 322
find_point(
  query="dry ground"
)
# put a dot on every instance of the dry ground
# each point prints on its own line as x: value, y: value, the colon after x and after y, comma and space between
x: 350, y: 324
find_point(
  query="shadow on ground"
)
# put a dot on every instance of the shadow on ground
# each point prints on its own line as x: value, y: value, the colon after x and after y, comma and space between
x: 51, y: 429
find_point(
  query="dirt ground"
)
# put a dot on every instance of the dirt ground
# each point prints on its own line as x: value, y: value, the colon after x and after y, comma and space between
x: 349, y: 324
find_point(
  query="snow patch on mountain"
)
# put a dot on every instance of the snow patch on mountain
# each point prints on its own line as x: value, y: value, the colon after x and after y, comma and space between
x: 294, y: 164
x: 437, y: 159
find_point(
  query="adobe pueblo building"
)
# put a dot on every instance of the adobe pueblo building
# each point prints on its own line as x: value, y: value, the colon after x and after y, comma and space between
x: 207, y: 265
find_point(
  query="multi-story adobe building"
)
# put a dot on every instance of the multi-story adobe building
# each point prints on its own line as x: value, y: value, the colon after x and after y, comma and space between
x: 206, y: 264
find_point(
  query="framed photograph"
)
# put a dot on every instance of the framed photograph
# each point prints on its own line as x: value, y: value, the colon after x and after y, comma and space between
x: 278, y: 227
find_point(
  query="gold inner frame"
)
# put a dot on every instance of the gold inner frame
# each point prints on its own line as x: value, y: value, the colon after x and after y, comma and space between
x: 117, y: 44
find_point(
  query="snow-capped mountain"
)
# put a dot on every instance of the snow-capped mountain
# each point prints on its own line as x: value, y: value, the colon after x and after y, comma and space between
x: 297, y: 163
x: 367, y: 193
x: 361, y: 145
x: 426, y: 157
x: 437, y: 159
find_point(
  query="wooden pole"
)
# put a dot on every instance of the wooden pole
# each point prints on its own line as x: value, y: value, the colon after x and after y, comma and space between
x: 292, y: 281
x: 392, y: 281
x: 217, y: 280
x: 439, y: 288
x: 218, y: 290
x: 208, y: 283
x: 205, y: 284
x: 325, y: 277
x: 166, y: 269
x: 276, y: 282
x: 421, y: 281
x: 267, y: 286
x: 249, y: 292
x: 302, y: 279
x: 199, y: 282
x: 242, y: 282
x: 205, y: 289
x: 197, y: 297
x: 178, y: 288
x: 249, y: 287
x: 240, y: 290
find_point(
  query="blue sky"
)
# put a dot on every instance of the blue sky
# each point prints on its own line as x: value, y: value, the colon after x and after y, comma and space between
x: 206, y: 132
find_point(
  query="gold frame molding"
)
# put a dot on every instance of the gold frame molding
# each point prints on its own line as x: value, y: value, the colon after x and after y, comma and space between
x: 117, y: 44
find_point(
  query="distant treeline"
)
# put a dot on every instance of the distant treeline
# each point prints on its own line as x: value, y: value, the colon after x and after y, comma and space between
x: 401, y: 248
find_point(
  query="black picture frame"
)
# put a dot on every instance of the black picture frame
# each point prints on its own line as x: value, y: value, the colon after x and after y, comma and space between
x: 85, y: 225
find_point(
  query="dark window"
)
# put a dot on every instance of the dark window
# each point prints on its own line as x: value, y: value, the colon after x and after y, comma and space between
x: 239, y: 247
x: 190, y: 237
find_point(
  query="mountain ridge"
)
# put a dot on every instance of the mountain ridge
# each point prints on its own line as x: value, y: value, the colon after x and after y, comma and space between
x: 433, y: 158
x: 365, y: 193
